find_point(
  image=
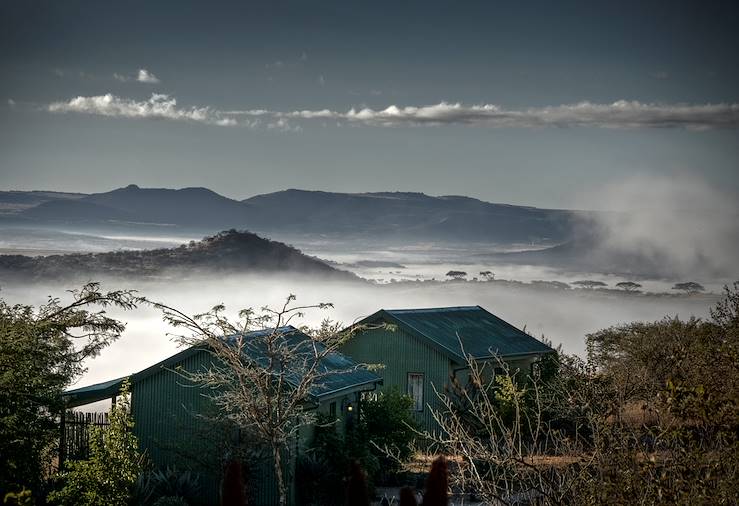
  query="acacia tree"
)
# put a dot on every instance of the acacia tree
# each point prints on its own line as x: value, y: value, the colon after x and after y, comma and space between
x: 629, y: 286
x: 589, y: 283
x: 264, y: 369
x: 487, y: 275
x: 456, y: 274
x: 689, y: 287
x: 41, y: 352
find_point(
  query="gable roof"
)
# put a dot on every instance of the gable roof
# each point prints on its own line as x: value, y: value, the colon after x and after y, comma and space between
x: 483, y: 334
x: 338, y: 372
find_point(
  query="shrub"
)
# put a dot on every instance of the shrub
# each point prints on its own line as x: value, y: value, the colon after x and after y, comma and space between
x: 115, y: 463
x: 156, y: 484
x: 390, y: 427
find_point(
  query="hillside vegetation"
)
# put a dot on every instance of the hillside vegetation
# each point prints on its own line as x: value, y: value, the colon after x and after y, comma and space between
x: 231, y: 251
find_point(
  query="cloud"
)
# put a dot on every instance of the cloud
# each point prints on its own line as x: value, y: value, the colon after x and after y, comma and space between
x: 321, y: 80
x: 143, y: 76
x: 11, y: 103
x: 660, y: 74
x: 620, y: 114
x: 157, y: 107
x: 147, y: 77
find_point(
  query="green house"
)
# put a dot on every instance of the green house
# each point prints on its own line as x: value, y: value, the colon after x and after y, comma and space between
x: 422, y: 349
x: 174, y: 419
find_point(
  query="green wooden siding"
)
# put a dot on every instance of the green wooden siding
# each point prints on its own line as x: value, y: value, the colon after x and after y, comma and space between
x: 402, y: 353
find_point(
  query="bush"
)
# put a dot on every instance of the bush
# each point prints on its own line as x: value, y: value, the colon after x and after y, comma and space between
x: 151, y: 486
x: 390, y: 427
x: 109, y: 475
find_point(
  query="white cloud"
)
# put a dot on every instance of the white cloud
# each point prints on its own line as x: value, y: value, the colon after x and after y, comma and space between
x: 157, y: 107
x: 620, y: 114
x: 11, y: 103
x: 321, y: 80
x: 147, y: 77
x: 143, y: 76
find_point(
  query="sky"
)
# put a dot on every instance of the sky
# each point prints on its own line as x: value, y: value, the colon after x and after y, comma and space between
x: 534, y: 103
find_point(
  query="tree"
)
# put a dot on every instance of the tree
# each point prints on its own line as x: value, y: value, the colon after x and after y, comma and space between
x: 41, y: 352
x: 629, y: 286
x: 262, y: 383
x: 487, y: 275
x: 689, y: 287
x: 589, y: 283
x: 456, y: 275
x: 115, y: 463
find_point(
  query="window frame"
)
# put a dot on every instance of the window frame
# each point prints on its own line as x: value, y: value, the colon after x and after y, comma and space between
x: 417, y: 408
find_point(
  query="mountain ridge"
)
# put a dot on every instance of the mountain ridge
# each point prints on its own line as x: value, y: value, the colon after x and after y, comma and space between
x: 386, y: 216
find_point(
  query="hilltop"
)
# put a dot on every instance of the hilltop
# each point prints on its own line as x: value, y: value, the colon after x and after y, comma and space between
x: 230, y: 251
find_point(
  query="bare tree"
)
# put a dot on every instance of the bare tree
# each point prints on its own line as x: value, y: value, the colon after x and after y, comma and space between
x: 265, y: 369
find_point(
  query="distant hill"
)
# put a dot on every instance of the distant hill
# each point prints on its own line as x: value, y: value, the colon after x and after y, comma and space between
x: 404, y: 215
x: 231, y: 251
x: 12, y: 202
x: 381, y: 217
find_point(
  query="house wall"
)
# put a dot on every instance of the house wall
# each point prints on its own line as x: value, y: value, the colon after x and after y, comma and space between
x: 174, y: 422
x: 402, y: 353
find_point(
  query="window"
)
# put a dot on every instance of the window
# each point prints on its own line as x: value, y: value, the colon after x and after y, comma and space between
x: 332, y: 410
x: 415, y: 390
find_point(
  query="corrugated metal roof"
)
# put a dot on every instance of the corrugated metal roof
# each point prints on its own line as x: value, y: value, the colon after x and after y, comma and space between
x: 482, y: 333
x: 93, y: 393
x: 337, y: 372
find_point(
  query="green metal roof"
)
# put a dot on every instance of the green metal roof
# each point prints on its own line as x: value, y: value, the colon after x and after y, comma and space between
x: 338, y: 372
x: 482, y: 334
x: 93, y: 393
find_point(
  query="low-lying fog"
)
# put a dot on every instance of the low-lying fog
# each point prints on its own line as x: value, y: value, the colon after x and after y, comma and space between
x: 564, y: 316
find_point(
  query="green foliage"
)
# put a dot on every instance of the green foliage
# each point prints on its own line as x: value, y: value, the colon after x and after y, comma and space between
x: 687, y: 368
x: 390, y: 425
x: 23, y: 497
x: 109, y: 475
x: 41, y: 352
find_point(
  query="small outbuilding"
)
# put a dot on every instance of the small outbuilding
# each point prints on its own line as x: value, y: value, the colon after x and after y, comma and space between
x: 422, y: 349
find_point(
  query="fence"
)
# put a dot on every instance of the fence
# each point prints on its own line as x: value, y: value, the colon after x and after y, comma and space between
x: 75, y: 433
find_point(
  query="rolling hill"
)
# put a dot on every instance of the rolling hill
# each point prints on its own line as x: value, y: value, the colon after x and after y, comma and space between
x: 226, y: 252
